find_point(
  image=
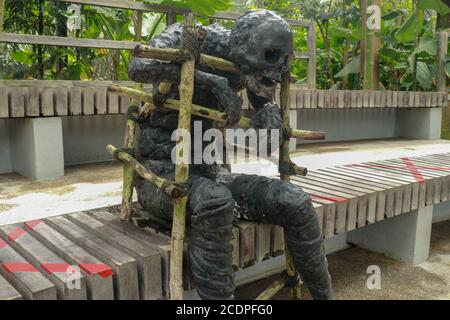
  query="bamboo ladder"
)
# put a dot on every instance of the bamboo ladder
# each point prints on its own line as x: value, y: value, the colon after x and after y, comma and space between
x: 176, y: 190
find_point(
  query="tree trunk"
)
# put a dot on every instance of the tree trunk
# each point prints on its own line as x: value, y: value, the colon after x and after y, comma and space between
x: 40, y: 49
x: 61, y: 31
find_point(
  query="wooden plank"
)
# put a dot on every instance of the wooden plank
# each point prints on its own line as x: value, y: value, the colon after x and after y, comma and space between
x: 409, y: 174
x: 75, y: 101
x: 130, y: 5
x: 367, y: 199
x: 99, y: 283
x: 430, y: 165
x: 417, y: 99
x: 17, y: 102
x: 32, y: 101
x: 4, y: 103
x: 246, y: 243
x: 394, y: 99
x: 61, y: 102
x: 341, y: 99
x: 321, y: 99
x: 88, y: 101
x: 262, y: 241
x: 100, y: 100
x: 124, y: 104
x: 148, y: 260
x: 235, y: 244
x: 150, y: 237
x: 307, y: 99
x: 314, y: 99
x: 382, y: 193
x: 437, y: 178
x: 113, y: 103
x: 125, y: 275
x: 32, y: 285
x: 394, y: 201
x: 388, y: 99
x: 44, y: 260
x: 47, y: 106
x: 372, y: 95
x: 7, y: 291
x: 66, y: 41
x: 414, y: 194
x: 277, y: 241
x: 347, y: 213
x: 300, y: 98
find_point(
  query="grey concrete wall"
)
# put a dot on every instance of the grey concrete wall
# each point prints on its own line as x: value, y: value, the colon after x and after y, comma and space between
x: 419, y: 123
x: 85, y: 137
x: 5, y: 154
x: 349, y: 124
x: 441, y: 212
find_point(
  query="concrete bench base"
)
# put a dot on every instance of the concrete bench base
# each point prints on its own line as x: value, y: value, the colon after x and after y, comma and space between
x: 405, y: 237
x: 37, y: 147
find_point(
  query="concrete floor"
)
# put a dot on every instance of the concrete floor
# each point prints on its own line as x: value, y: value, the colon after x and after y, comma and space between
x: 99, y: 185
x: 428, y: 280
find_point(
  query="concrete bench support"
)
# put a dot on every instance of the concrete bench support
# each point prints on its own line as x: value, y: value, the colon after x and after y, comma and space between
x: 37, y: 147
x: 405, y: 237
x: 419, y: 123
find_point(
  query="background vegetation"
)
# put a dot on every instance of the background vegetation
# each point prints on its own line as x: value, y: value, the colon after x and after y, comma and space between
x: 407, y: 54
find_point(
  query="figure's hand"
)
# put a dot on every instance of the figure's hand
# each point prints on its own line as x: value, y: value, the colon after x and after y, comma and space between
x: 269, y: 117
x: 229, y: 101
x: 158, y: 98
x: 232, y: 108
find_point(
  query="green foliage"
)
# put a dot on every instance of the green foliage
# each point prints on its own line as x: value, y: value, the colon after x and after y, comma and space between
x: 36, y: 62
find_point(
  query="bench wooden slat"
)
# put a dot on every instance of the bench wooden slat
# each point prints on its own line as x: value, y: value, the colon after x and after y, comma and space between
x: 17, y: 102
x: 47, y: 106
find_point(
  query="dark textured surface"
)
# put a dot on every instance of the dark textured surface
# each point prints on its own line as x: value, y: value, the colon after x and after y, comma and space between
x: 261, y: 44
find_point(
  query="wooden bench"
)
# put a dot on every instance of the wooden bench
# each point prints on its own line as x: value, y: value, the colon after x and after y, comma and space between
x: 114, y: 263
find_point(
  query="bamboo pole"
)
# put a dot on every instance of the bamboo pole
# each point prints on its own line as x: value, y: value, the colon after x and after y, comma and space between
x: 130, y: 130
x: 186, y: 89
x: 271, y: 291
x: 441, y: 79
x: 128, y: 172
x: 172, y: 190
x: 2, y: 13
x: 285, y: 158
x: 201, y: 111
x: 174, y: 55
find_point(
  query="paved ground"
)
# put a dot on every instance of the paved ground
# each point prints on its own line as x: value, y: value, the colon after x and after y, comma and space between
x: 428, y: 280
x: 99, y: 185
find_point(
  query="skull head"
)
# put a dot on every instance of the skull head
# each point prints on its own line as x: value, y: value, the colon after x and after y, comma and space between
x: 261, y: 43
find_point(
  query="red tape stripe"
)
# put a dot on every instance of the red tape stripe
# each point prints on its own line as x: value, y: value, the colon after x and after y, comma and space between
x: 101, y: 269
x: 16, y: 233
x: 413, y: 169
x: 19, y: 267
x: 31, y: 224
x: 332, y: 199
x: 2, y: 244
x: 55, y: 267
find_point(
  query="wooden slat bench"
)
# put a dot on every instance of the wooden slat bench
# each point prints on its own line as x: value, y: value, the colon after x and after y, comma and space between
x: 119, y: 260
x: 26, y: 98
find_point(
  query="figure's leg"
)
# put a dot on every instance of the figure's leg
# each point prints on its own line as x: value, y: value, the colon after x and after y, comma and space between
x: 210, y: 211
x: 277, y: 202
